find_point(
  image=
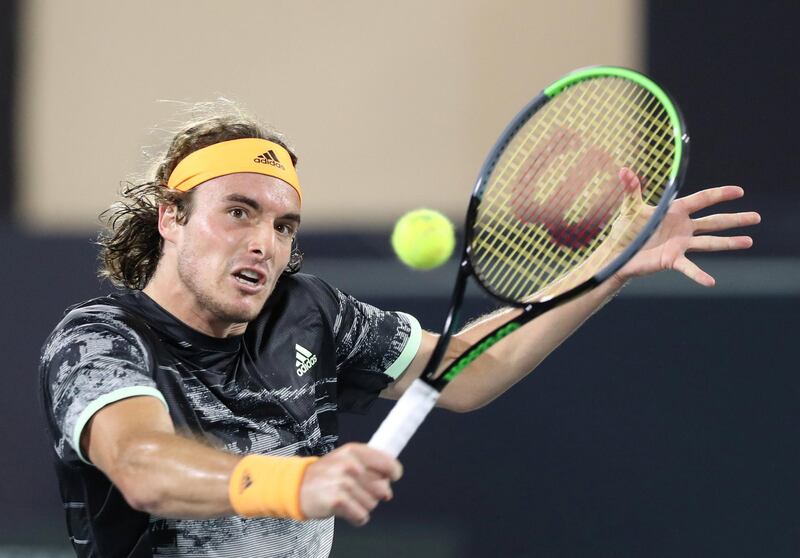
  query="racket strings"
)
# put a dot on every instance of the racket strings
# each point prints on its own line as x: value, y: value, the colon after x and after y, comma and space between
x: 581, y: 232
x: 501, y: 280
x: 603, y: 211
x: 533, y: 170
x: 605, y: 208
x: 555, y: 196
x: 557, y: 203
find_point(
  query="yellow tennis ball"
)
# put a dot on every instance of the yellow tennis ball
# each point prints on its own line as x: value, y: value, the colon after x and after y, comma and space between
x: 423, y: 239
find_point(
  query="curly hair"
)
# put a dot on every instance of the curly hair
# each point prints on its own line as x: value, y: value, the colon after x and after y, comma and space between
x: 131, y: 245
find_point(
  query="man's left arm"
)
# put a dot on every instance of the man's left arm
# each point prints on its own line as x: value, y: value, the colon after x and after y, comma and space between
x: 515, y: 357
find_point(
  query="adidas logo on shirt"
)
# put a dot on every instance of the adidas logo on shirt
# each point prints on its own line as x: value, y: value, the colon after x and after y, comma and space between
x: 269, y: 158
x: 305, y: 359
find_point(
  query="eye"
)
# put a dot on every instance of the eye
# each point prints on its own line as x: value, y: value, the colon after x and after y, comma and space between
x: 237, y: 213
x: 285, y: 229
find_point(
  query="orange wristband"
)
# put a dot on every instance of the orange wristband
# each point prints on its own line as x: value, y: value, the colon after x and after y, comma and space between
x: 266, y: 485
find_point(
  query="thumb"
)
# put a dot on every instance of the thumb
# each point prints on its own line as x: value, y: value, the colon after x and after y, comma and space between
x: 632, y: 187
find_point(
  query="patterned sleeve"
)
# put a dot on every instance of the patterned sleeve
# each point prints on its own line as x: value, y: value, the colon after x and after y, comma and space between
x: 92, y: 359
x: 374, y: 347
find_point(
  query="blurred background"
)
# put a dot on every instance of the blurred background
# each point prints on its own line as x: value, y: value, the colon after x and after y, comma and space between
x: 667, y: 426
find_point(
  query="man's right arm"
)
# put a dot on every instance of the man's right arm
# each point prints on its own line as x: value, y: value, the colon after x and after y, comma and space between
x: 133, y: 442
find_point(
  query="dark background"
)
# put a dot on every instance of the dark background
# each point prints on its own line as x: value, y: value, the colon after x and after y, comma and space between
x: 667, y: 426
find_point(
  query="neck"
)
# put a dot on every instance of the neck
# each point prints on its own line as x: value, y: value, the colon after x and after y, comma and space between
x: 171, y: 294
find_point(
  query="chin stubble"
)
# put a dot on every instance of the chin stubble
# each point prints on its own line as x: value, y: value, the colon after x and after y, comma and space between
x: 188, y: 275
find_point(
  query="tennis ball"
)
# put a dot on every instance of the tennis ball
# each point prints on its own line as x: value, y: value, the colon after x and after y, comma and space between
x: 423, y: 239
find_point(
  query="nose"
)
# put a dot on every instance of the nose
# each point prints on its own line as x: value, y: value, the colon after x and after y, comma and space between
x: 263, y: 241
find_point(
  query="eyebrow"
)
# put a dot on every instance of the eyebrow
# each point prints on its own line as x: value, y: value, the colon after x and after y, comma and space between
x: 246, y: 200
x: 239, y: 198
x: 291, y: 217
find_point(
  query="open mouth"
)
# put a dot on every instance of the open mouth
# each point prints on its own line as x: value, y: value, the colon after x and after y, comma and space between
x: 249, y: 277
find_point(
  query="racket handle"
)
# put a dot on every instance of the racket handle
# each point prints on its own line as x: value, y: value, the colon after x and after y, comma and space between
x: 405, y: 417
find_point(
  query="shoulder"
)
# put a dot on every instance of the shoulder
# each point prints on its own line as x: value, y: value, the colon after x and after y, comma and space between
x: 114, y: 311
x: 111, y: 307
x: 108, y: 317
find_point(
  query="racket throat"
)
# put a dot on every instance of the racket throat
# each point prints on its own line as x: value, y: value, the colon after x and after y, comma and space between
x: 429, y: 374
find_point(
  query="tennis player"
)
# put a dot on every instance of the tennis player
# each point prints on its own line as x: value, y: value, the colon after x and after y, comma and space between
x: 194, y: 412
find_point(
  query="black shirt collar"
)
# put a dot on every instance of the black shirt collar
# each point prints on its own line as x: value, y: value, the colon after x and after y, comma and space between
x: 178, y: 332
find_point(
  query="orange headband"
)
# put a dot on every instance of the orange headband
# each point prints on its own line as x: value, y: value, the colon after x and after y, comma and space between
x: 228, y: 157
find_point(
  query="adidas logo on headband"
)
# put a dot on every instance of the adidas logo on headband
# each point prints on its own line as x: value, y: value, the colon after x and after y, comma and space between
x: 232, y: 156
x: 269, y: 158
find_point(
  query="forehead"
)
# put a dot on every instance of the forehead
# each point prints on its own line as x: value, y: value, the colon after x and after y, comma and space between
x: 268, y: 191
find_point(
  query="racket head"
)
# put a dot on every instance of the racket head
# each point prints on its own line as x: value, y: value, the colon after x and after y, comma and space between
x: 550, y: 215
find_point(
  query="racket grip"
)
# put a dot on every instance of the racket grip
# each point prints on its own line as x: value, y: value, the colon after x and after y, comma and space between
x: 405, y: 417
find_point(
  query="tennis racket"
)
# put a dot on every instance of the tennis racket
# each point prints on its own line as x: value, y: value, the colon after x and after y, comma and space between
x: 554, y: 214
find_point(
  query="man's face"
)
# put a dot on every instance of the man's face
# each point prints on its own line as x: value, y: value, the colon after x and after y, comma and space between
x: 234, y: 246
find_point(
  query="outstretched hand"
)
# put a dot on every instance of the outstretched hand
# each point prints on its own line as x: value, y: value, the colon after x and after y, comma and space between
x: 679, y: 234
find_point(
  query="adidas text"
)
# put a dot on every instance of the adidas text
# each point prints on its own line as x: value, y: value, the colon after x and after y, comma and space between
x: 269, y: 158
x: 303, y: 368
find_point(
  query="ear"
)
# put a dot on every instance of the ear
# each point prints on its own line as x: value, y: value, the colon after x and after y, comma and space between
x: 167, y: 222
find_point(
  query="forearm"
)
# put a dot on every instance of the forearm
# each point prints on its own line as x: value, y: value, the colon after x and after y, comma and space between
x: 166, y: 475
x: 515, y: 357
x: 171, y: 476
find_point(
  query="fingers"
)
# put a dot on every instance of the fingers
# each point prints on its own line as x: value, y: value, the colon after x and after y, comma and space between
x: 633, y: 206
x: 360, y: 498
x: 349, y: 483
x: 379, y: 487
x: 352, y: 510
x: 376, y: 460
x: 707, y: 198
x: 693, y: 272
x: 719, y: 243
x: 725, y: 221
